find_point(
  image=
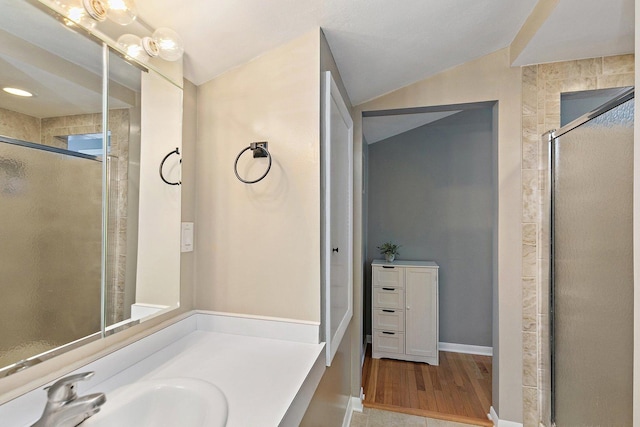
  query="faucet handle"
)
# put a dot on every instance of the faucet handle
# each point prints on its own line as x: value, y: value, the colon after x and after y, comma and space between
x: 64, y: 389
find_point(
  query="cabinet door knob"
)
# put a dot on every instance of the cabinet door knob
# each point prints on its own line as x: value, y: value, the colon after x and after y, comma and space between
x: 335, y: 250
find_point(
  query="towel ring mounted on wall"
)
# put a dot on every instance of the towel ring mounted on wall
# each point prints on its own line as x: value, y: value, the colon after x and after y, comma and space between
x: 176, y: 151
x: 259, y: 150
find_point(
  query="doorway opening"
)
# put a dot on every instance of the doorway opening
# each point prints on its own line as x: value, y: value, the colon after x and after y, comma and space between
x: 430, y: 186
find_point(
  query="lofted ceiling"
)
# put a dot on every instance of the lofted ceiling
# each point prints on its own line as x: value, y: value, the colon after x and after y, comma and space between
x: 579, y: 29
x: 382, y: 45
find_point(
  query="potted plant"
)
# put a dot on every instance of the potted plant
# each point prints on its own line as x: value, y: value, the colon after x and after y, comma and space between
x: 389, y: 250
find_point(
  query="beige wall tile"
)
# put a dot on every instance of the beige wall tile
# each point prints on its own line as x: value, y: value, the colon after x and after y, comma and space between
x: 19, y: 126
x: 530, y: 90
x: 552, y: 106
x: 530, y: 406
x: 530, y: 369
x: 553, y: 71
x: 529, y: 304
x: 619, y: 64
x: 578, y: 84
x: 616, y: 80
x: 529, y: 261
x: 590, y: 67
x: 530, y: 195
x: 530, y: 342
x: 79, y: 120
x: 529, y: 234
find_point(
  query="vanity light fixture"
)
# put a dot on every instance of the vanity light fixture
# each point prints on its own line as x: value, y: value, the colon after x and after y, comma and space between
x: 17, y: 92
x: 164, y: 42
x: 88, y: 12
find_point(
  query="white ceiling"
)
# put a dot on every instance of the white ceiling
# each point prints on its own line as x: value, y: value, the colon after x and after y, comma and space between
x: 580, y: 29
x: 379, y: 45
x: 382, y: 45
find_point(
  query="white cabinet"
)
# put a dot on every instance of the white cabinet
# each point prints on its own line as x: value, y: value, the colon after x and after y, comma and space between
x: 405, y: 310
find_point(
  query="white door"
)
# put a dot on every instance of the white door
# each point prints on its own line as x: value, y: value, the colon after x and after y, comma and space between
x: 421, y: 312
x: 337, y: 215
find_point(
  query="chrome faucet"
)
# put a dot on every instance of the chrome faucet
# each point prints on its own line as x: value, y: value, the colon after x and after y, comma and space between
x: 64, y: 408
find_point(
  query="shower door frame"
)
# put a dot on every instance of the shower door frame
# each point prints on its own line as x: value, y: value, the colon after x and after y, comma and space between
x: 552, y: 135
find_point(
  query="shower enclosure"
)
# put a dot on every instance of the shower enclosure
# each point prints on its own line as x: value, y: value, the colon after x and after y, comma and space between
x: 591, y: 208
x: 50, y: 247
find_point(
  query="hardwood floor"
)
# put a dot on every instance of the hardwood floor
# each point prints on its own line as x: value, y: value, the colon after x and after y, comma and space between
x: 459, y: 389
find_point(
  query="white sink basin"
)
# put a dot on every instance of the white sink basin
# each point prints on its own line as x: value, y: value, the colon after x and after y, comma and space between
x: 184, y: 402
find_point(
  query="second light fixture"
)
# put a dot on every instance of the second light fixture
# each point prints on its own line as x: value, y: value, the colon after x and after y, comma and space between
x: 164, y: 42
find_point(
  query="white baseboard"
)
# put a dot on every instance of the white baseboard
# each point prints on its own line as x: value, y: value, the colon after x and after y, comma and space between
x: 369, y: 341
x: 354, y: 404
x: 464, y: 348
x: 348, y: 413
x: 501, y: 423
x: 357, y: 401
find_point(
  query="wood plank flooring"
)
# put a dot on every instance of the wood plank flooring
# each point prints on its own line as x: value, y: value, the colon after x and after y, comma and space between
x: 459, y: 389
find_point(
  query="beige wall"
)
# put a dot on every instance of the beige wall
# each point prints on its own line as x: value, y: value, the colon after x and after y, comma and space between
x: 19, y: 126
x: 489, y: 78
x: 542, y: 86
x: 258, y: 246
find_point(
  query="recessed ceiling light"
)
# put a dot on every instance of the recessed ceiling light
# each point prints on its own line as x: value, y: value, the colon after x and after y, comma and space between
x: 17, y: 92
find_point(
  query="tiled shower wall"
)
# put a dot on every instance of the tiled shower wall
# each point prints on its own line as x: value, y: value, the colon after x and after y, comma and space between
x: 19, y: 126
x: 541, y: 89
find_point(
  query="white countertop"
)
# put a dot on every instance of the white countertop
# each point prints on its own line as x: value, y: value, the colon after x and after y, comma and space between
x: 267, y: 368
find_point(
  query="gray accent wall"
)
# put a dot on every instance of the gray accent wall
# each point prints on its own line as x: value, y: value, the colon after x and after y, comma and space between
x: 432, y: 190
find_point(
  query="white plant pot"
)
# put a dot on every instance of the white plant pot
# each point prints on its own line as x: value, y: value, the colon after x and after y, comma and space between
x: 390, y: 257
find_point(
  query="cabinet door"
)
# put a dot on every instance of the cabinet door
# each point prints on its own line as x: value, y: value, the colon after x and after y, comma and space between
x: 421, y: 326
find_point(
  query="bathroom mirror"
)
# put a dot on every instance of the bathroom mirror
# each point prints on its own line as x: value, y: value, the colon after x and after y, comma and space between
x: 66, y: 277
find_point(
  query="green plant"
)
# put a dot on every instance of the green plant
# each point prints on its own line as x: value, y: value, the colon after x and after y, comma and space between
x: 389, y: 248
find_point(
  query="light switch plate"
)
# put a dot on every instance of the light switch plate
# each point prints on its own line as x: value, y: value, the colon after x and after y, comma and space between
x: 186, y: 241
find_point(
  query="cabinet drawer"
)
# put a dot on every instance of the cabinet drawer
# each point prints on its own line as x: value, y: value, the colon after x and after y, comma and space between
x: 388, y: 342
x: 388, y: 297
x: 388, y: 276
x: 388, y: 319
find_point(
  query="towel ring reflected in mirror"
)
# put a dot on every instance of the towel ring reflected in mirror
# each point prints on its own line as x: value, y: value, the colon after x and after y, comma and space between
x: 176, y: 151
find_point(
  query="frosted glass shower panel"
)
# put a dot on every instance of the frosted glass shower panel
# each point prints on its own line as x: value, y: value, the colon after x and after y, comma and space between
x: 50, y: 247
x: 592, y: 292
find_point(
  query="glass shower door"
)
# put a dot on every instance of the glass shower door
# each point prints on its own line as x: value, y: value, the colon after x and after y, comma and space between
x: 592, y: 271
x: 50, y: 248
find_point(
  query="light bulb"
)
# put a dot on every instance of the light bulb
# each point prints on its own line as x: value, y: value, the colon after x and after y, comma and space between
x: 122, y: 12
x: 132, y: 46
x: 170, y: 44
x: 76, y: 12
